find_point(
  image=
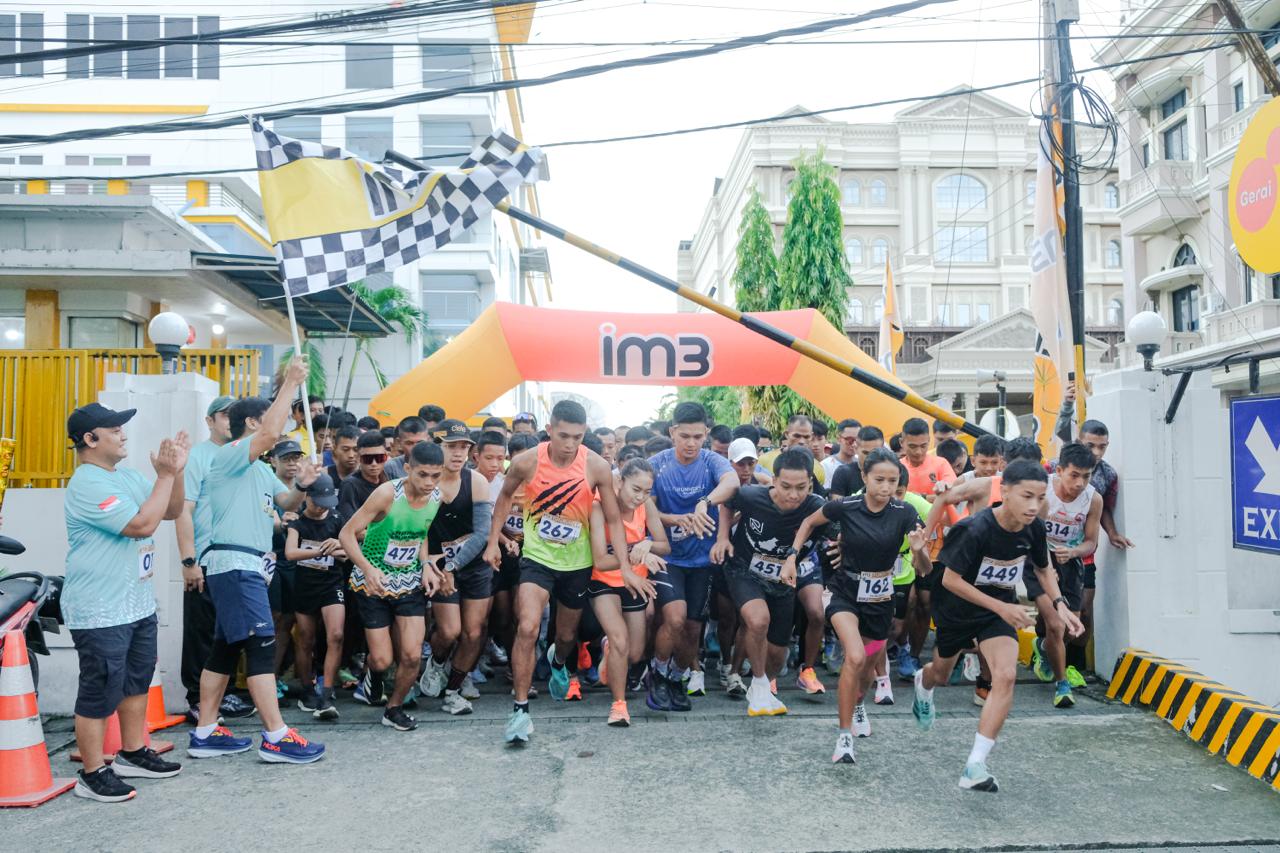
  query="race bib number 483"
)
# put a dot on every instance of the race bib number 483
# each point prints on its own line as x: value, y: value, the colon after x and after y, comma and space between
x: 1004, y: 574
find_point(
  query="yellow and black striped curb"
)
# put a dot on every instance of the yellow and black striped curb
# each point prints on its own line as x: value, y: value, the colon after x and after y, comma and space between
x: 1246, y: 732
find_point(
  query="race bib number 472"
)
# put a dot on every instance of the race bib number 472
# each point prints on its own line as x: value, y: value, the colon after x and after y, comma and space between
x: 401, y: 553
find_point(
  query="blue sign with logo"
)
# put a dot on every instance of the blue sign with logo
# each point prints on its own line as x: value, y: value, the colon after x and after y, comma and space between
x: 1255, y: 473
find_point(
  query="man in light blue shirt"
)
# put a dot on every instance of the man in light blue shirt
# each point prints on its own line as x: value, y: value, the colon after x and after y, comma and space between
x: 243, y: 494
x: 107, y: 599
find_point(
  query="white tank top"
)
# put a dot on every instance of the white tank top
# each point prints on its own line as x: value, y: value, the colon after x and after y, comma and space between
x: 1064, y: 525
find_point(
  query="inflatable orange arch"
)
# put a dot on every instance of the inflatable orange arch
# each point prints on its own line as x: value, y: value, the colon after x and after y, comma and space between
x: 509, y: 344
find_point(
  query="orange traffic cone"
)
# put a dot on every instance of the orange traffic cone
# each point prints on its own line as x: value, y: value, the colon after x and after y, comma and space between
x: 156, y: 717
x: 26, y: 779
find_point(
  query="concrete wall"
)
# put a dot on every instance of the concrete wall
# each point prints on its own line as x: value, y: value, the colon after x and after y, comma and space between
x: 165, y: 404
x: 1184, y: 592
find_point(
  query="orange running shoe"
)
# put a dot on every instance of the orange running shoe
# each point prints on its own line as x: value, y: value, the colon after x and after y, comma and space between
x: 574, y: 693
x: 773, y: 686
x: 808, y: 681
x: 618, y: 716
x: 584, y: 657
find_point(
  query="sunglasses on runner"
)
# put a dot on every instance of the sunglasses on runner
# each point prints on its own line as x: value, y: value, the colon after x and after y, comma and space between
x: 373, y: 457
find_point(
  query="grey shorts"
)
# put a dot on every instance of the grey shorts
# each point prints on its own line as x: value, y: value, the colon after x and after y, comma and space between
x: 115, y: 663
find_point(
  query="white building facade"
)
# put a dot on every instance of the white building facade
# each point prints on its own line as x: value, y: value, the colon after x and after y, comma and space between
x: 215, y: 209
x: 944, y: 192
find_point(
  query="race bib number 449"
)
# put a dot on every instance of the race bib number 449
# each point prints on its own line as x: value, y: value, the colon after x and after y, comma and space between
x: 1004, y: 574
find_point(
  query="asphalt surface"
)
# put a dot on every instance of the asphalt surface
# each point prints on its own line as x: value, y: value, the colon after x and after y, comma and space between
x: 1098, y: 776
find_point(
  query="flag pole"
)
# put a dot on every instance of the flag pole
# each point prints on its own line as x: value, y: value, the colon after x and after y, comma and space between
x: 304, y: 390
x: 753, y: 323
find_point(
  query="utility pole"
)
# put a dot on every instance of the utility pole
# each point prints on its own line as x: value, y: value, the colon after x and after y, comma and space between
x: 1252, y: 47
x: 1065, y: 13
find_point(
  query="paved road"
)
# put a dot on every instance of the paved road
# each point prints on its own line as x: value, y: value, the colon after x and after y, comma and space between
x: 1100, y: 775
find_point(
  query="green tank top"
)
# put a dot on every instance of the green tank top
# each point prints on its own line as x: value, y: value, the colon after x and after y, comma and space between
x: 392, y: 543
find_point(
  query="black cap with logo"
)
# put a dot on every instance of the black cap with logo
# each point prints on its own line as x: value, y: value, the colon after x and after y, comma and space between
x: 452, y: 429
x: 322, y: 492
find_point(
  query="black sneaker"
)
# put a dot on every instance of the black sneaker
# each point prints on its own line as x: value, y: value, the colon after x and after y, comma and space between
x: 369, y: 691
x: 146, y: 763
x: 679, y: 698
x: 234, y: 707
x: 104, y: 786
x: 659, y: 698
x: 395, y: 717
x: 309, y: 701
x: 325, y: 709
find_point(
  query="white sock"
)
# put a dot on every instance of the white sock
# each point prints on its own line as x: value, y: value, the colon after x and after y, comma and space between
x: 926, y: 692
x: 981, y: 748
x: 203, y: 732
x: 277, y: 735
x: 882, y: 679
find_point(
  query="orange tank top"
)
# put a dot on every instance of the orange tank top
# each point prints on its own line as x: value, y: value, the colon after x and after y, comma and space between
x: 557, y: 513
x: 637, y: 529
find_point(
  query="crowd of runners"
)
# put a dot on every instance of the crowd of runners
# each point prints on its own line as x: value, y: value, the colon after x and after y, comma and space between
x: 411, y: 562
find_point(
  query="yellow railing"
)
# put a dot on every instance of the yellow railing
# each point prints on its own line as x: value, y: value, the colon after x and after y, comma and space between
x: 39, y: 388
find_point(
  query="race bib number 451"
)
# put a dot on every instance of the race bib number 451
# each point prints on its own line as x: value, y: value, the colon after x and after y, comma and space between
x: 765, y: 567
x: 1004, y: 574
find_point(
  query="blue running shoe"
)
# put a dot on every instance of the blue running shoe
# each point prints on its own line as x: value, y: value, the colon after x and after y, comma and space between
x: 558, y: 681
x: 659, y: 697
x: 976, y: 777
x: 922, y: 706
x: 220, y: 742
x: 1062, y: 697
x: 1040, y: 661
x: 541, y: 669
x: 293, y: 748
x: 908, y: 666
x: 519, y: 727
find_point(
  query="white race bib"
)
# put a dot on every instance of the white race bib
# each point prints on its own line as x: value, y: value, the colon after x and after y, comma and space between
x: 561, y: 531
x: 899, y: 568
x: 874, y: 588
x: 514, y: 523
x: 1003, y: 574
x: 321, y: 563
x: 401, y: 553
x: 1059, y: 533
x: 766, y: 567
x: 807, y: 566
x: 451, y: 549
x: 146, y: 560
x: 269, y: 565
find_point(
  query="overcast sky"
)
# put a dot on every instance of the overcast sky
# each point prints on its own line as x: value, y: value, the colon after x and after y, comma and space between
x: 641, y: 198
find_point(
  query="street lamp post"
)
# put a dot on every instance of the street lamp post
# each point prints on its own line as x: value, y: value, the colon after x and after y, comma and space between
x: 168, y: 332
x: 1146, y: 331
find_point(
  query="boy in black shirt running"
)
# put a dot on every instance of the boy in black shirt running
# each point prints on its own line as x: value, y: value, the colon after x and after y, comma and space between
x: 985, y: 557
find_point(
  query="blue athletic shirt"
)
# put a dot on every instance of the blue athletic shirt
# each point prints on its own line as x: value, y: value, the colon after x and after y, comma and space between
x: 241, y: 492
x: 677, y: 489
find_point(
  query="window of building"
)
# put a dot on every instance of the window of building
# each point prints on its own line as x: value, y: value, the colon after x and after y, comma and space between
x: 1111, y: 196
x: 370, y: 66
x: 855, y: 311
x: 101, y: 333
x: 1115, y: 312
x: 1186, y: 309
x: 447, y: 66
x: 966, y: 244
x: 879, y: 193
x: 13, y: 332
x: 369, y: 137
x: 176, y: 60
x: 298, y: 127
x: 451, y: 300
x: 853, y: 251
x: 1113, y: 257
x: 1273, y: 286
x: 982, y: 312
x: 880, y: 251
x: 1185, y: 256
x: 30, y: 27
x: 1246, y: 279
x: 179, y: 59
x: 454, y: 138
x: 143, y: 64
x: 1017, y: 297
x: 944, y: 314
x: 18, y: 187
x: 1175, y: 142
x: 1171, y: 105
x: 1146, y: 154
x: 852, y: 192
x: 1030, y: 194
x: 877, y: 308
x: 960, y: 192
x: 869, y: 345
x: 1237, y: 96
x: 919, y: 349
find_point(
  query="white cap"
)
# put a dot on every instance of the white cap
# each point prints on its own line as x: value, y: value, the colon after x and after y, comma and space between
x: 742, y: 448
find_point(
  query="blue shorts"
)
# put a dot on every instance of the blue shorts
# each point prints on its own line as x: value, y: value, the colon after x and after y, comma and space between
x: 692, y: 585
x: 241, y: 606
x: 115, y: 663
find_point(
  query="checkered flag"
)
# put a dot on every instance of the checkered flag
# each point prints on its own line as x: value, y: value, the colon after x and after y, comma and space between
x: 336, y: 218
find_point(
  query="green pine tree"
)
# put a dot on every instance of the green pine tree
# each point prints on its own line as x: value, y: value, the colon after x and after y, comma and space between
x: 755, y: 285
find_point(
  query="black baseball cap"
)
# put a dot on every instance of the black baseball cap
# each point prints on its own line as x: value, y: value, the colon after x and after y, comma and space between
x: 452, y: 429
x: 322, y: 492
x: 286, y: 447
x: 95, y: 416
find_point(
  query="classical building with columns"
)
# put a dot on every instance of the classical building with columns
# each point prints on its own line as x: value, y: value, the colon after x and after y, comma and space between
x: 944, y: 192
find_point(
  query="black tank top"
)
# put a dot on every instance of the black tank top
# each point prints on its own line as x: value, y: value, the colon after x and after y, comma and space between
x: 452, y: 524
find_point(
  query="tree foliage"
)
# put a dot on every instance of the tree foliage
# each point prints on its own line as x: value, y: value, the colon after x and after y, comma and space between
x: 394, y: 305
x: 755, y: 286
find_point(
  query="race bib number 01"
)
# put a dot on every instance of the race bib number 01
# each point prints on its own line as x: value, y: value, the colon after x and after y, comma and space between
x: 146, y: 560
x: 401, y: 553
x: 561, y: 531
x: 1003, y: 574
x: 766, y: 567
x: 873, y: 588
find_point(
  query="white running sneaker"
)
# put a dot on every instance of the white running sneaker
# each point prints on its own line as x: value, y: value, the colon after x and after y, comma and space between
x: 497, y: 655
x: 977, y: 777
x: 861, y: 724
x: 776, y: 707
x: 697, y: 684
x: 972, y: 668
x: 884, y: 691
x: 760, y: 702
x: 469, y: 689
x: 735, y: 686
x: 724, y: 670
x: 844, y: 750
x: 455, y: 703
x: 434, y: 678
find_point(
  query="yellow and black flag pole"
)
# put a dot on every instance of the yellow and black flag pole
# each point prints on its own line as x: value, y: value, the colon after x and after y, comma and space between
x: 753, y: 323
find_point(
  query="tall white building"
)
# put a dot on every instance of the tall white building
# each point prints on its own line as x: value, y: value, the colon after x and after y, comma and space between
x: 944, y: 193
x: 113, y: 251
